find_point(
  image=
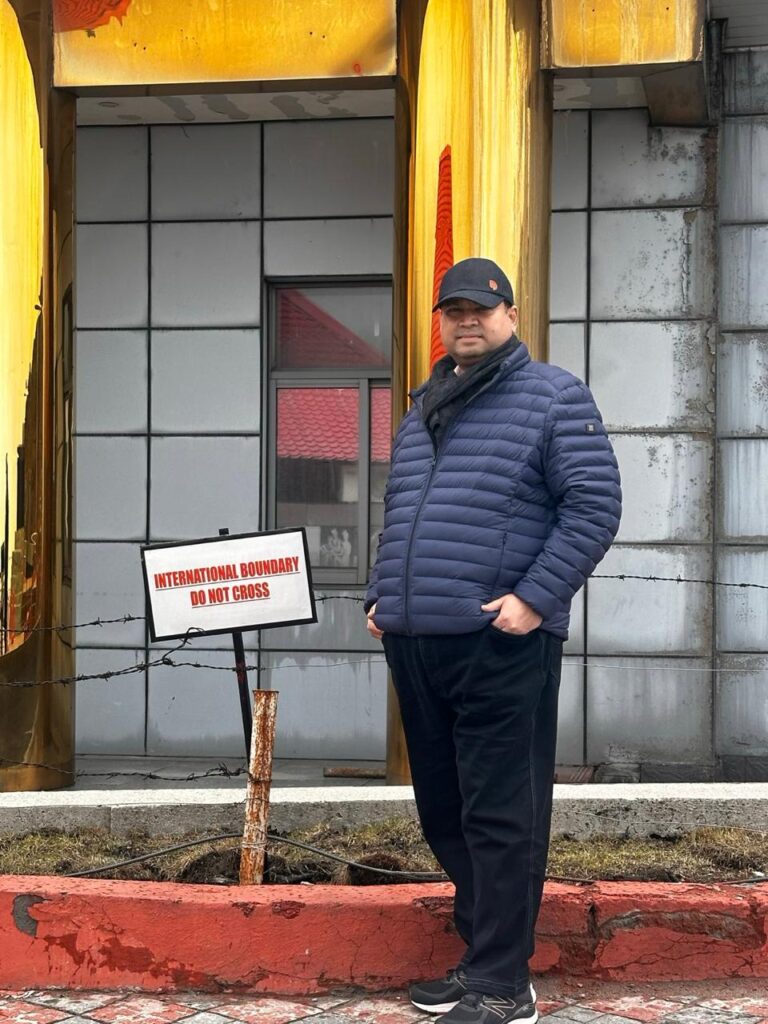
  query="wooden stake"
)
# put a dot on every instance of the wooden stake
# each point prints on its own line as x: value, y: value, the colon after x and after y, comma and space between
x: 259, y: 781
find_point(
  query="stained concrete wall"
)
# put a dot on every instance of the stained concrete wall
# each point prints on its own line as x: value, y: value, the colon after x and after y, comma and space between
x: 660, y: 254
x: 741, y: 692
x: 633, y: 312
x: 178, y: 229
x: 660, y: 246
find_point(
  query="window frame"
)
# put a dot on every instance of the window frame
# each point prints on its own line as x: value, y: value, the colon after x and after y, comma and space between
x: 364, y: 381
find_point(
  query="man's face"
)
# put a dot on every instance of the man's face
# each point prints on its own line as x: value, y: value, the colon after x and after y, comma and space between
x: 470, y: 332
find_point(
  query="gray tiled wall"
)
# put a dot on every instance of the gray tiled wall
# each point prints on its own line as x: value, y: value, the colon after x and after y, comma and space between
x: 657, y: 673
x: 741, y: 735
x: 673, y: 673
x: 172, y: 252
x: 632, y: 309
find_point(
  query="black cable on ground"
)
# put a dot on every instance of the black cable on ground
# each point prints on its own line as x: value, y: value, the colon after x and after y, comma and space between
x: 421, y: 876
x: 155, y: 853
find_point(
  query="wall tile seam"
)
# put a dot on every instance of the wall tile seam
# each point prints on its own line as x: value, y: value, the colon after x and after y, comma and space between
x: 688, y: 545
x: 277, y: 122
x: 155, y: 328
x: 135, y: 435
x: 638, y: 208
x: 701, y: 434
x: 160, y: 434
x: 619, y: 545
x: 291, y: 652
x: 632, y: 320
x: 267, y: 219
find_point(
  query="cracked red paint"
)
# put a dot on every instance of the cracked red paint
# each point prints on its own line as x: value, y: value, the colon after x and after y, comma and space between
x: 84, y: 933
x: 70, y: 15
x: 287, y: 908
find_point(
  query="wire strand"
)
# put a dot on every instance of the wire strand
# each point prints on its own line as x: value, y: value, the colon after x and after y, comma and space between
x: 423, y: 876
x: 128, y: 617
x: 638, y: 662
x: 271, y: 837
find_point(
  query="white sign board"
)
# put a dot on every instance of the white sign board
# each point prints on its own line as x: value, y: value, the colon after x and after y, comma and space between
x: 224, y: 584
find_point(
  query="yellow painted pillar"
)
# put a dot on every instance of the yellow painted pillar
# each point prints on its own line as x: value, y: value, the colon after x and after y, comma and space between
x: 36, y: 153
x: 474, y: 87
x: 473, y: 122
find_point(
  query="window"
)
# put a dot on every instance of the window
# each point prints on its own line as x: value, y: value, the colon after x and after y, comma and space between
x: 331, y: 419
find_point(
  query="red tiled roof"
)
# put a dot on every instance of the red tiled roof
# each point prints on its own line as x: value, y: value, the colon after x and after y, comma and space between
x: 309, y: 337
x: 323, y: 423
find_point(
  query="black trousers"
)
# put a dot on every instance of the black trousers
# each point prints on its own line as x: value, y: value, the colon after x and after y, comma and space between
x: 479, y: 712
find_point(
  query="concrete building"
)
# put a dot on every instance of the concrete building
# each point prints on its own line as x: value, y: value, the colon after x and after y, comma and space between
x: 225, y: 358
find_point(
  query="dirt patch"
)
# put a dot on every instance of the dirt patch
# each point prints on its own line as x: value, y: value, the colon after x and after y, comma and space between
x: 702, y: 855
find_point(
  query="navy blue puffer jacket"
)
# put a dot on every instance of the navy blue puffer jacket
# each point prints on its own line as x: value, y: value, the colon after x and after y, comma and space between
x: 523, y: 496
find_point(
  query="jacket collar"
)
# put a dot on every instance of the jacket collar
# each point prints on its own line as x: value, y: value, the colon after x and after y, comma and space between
x: 515, y: 361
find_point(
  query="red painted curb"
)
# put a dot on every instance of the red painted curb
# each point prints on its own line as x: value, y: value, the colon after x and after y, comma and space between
x: 82, y: 933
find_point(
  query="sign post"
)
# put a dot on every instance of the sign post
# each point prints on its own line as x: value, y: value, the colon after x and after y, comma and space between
x: 228, y: 584
x: 242, y: 677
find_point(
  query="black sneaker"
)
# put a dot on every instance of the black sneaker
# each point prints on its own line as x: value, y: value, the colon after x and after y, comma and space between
x: 439, y: 996
x: 474, y: 1008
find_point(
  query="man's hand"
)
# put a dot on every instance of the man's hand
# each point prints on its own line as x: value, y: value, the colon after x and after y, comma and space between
x: 373, y: 629
x: 515, y: 616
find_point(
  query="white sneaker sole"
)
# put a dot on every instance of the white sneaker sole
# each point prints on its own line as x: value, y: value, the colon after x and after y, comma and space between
x: 438, y: 1008
x: 445, y: 1007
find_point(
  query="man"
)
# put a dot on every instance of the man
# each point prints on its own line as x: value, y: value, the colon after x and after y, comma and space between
x: 503, y: 496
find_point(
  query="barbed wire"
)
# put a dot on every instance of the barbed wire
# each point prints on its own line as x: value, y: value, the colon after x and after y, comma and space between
x: 128, y: 617
x: 81, y: 677
x: 571, y: 661
x: 76, y: 625
x: 166, y: 660
x: 677, y: 579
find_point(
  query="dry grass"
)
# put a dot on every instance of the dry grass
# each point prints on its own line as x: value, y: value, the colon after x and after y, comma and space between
x: 703, y: 855
x: 58, y: 853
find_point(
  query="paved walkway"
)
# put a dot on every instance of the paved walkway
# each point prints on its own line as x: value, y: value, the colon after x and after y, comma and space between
x: 560, y: 1002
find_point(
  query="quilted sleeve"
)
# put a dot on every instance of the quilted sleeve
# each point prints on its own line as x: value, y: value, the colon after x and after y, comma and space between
x: 582, y: 474
x: 371, y: 595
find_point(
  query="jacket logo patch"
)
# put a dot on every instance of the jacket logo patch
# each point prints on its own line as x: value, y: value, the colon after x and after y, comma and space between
x: 589, y: 427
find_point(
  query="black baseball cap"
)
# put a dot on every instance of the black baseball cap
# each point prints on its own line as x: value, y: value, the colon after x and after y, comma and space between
x: 479, y: 280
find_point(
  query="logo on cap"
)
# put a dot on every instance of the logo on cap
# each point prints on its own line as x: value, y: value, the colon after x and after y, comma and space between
x: 492, y: 284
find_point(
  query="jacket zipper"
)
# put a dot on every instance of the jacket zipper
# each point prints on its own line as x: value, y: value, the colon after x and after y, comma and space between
x: 423, y: 498
x: 425, y: 492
